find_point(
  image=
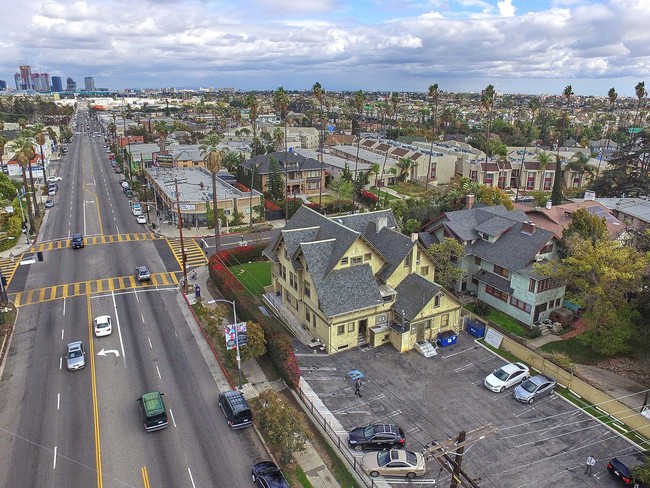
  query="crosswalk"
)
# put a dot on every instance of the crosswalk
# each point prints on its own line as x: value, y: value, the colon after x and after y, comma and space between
x: 8, y: 267
x: 193, y: 253
x: 92, y: 287
x: 95, y: 240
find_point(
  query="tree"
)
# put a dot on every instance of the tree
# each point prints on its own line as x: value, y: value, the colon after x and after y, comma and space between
x: 24, y: 154
x: 490, y: 195
x: 601, y: 275
x: 281, y: 103
x: 319, y: 95
x: 213, y: 157
x: 612, y: 96
x: 278, y: 139
x: 358, y: 103
x: 641, y: 93
x: 579, y: 163
x: 3, y: 143
x: 282, y: 424
x: 556, y: 193
x: 588, y: 227
x: 253, y: 107
x: 444, y: 255
x: 403, y: 168
x: 434, y: 94
x: 231, y: 160
x: 275, y: 184
x: 487, y: 103
x: 163, y: 131
x: 544, y: 159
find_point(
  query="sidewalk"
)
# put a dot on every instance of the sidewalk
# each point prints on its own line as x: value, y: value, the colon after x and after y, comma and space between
x: 317, y: 472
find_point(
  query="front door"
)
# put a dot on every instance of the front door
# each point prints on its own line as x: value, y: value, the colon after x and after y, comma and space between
x: 419, y: 336
x: 363, y: 327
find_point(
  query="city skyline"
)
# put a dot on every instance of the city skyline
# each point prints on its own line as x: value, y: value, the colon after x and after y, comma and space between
x: 532, y: 47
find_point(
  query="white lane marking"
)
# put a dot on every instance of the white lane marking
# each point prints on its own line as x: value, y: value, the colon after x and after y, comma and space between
x: 60, y: 363
x: 62, y: 331
x: 119, y: 330
x: 157, y: 369
x: 191, y: 478
x: 150, y: 344
x: 172, y: 416
x: 142, y: 316
x: 54, y: 464
x: 58, y: 401
x: 64, y: 303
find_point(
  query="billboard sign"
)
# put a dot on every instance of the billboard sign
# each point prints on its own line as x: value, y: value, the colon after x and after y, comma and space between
x: 242, y: 335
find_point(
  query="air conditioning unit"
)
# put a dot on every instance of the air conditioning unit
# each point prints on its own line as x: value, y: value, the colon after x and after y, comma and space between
x: 539, y: 259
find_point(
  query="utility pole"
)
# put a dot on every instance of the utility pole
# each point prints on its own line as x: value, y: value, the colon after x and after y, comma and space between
x: 455, y: 475
x: 180, y: 233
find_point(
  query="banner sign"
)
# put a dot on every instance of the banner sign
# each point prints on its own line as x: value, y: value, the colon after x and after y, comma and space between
x: 231, y: 339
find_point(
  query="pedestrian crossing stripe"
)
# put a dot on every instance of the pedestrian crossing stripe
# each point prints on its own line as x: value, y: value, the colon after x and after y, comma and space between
x: 91, y: 287
x: 194, y: 255
x: 95, y: 240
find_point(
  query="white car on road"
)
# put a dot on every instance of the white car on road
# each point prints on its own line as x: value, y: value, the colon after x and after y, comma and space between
x: 103, y: 326
x: 54, y: 179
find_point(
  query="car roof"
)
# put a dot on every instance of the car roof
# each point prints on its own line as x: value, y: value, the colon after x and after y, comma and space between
x: 540, y: 378
x: 153, y: 403
x: 511, y: 367
x: 75, y: 345
x: 103, y: 318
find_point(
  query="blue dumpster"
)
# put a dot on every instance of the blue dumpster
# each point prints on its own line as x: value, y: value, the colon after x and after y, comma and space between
x: 447, y: 338
x: 476, y: 328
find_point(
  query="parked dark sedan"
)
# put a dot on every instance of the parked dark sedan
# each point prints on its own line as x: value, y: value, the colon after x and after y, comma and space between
x: 267, y: 475
x: 376, y: 436
x: 622, y: 469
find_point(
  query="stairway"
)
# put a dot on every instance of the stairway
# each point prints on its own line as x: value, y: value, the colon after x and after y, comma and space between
x: 426, y: 349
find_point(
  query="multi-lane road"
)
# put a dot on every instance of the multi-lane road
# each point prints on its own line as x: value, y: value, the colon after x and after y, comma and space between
x: 83, y: 428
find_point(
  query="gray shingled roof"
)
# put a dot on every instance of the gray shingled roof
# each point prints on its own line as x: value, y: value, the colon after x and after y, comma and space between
x: 495, y: 226
x: 463, y: 223
x: 392, y: 245
x: 348, y: 289
x: 498, y: 282
x: 413, y: 294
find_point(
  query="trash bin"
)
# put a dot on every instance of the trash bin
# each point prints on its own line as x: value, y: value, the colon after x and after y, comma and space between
x: 476, y: 328
x: 197, y: 291
x: 447, y: 338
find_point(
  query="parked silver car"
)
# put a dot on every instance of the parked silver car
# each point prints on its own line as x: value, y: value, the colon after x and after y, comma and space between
x: 75, y: 356
x: 535, y: 387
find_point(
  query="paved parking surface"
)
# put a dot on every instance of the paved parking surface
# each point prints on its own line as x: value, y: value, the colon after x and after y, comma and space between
x: 540, y: 445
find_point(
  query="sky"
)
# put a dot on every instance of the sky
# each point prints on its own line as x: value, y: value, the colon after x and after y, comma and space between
x: 519, y: 46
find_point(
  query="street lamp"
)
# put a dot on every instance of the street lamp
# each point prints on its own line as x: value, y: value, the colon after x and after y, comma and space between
x: 234, y: 313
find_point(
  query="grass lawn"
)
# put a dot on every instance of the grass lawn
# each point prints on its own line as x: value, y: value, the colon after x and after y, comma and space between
x: 505, y: 321
x: 383, y: 195
x: 254, y: 276
x: 575, y: 350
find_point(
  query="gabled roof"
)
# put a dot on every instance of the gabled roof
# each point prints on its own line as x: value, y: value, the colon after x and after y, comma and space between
x: 463, y: 223
x: 413, y: 294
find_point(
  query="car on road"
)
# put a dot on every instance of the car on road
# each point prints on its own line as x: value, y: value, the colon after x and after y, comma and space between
x: 506, y: 376
x: 376, y: 436
x: 142, y: 273
x: 267, y: 475
x: 153, y: 412
x: 54, y: 179
x: 622, y: 469
x: 534, y: 387
x: 77, y: 241
x: 75, y: 356
x: 102, y: 325
x: 49, y: 203
x: 51, y: 191
x: 394, y: 462
x: 142, y: 219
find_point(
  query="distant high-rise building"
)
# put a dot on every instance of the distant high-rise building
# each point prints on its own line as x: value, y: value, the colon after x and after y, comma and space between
x: 71, y: 85
x: 89, y: 83
x: 57, y: 85
x: 41, y: 82
x: 3, y: 85
x: 26, y: 78
x: 18, y: 81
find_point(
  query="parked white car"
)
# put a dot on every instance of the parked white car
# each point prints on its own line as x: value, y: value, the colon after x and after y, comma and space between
x: 506, y: 376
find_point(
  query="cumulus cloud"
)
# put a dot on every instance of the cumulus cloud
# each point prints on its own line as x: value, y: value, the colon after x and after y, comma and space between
x: 377, y: 44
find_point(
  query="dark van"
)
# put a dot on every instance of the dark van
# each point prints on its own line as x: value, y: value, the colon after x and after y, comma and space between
x: 152, y: 409
x: 236, y: 409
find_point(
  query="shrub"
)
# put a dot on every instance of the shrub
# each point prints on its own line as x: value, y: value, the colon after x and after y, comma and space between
x: 482, y: 308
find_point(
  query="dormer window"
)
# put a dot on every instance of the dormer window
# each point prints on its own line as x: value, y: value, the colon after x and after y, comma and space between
x: 344, y: 261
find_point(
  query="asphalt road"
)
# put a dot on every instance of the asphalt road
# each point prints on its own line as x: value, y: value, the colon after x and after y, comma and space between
x: 83, y: 428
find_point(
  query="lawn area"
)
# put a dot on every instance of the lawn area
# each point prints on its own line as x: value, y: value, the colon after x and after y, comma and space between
x: 254, y: 276
x: 575, y: 350
x: 500, y: 318
x: 383, y: 195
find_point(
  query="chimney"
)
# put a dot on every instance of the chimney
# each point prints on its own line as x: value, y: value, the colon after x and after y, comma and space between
x: 380, y: 223
x: 590, y: 195
x: 469, y: 201
x: 414, y: 237
x: 549, y: 205
x: 528, y: 228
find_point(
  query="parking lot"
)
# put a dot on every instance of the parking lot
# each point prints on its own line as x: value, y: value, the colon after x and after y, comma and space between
x: 540, y: 445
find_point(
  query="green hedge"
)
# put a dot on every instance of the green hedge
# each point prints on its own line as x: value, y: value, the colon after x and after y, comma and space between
x: 278, y: 341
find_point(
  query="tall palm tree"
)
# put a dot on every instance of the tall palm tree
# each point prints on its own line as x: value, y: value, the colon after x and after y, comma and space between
x: 358, y: 103
x: 487, y: 103
x: 403, y: 168
x: 278, y: 139
x: 394, y: 107
x: 281, y: 103
x: 3, y: 143
x: 641, y: 93
x: 544, y: 159
x: 319, y: 95
x: 579, y: 163
x: 253, y: 108
x: 434, y: 94
x: 24, y: 149
x: 22, y: 123
x: 162, y: 130
x: 612, y: 96
x: 533, y: 106
x: 39, y: 137
x: 213, y: 157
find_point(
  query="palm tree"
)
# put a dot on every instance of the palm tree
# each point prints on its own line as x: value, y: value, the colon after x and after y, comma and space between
x: 319, y: 95
x: 3, y: 143
x: 487, y: 103
x: 358, y: 102
x: 213, y: 157
x: 278, y: 139
x: 434, y: 93
x: 403, y: 168
x: 394, y: 106
x: 374, y: 170
x: 641, y: 93
x: 162, y: 130
x: 579, y: 163
x: 281, y: 103
x: 544, y: 159
x: 253, y: 107
x: 22, y: 123
x: 612, y: 96
x: 567, y: 93
x: 39, y: 137
x: 24, y: 153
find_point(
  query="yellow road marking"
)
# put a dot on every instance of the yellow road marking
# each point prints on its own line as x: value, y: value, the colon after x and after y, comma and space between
x: 98, y: 448
x: 145, y: 477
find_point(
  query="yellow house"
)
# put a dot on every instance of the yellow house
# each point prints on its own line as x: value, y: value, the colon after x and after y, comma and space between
x: 356, y: 279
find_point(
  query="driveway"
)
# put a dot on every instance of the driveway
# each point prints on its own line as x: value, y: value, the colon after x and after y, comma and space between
x: 543, y: 445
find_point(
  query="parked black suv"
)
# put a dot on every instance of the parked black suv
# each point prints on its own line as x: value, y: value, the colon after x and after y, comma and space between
x: 376, y: 436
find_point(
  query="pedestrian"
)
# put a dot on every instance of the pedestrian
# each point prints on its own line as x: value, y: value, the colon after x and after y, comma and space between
x: 591, y: 462
x: 357, y: 387
x: 13, y: 258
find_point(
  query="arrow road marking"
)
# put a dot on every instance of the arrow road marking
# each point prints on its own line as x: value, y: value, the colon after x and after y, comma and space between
x: 110, y: 351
